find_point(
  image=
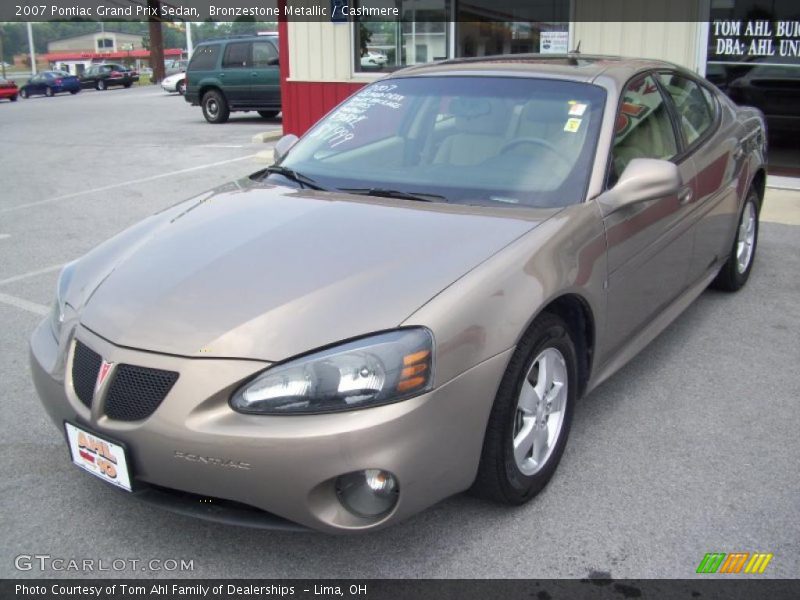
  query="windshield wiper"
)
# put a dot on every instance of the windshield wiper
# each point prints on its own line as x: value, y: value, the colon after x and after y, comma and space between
x: 303, y: 180
x: 384, y: 193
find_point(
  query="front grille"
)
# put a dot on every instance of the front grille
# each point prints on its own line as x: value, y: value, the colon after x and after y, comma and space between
x: 136, y: 392
x: 85, y: 367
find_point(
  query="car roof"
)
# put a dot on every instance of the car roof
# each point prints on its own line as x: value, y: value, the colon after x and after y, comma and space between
x: 240, y: 38
x: 572, y: 66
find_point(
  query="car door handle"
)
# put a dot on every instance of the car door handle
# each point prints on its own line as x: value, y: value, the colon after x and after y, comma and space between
x: 685, y: 195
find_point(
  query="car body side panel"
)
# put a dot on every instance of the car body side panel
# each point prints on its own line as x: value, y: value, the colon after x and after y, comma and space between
x: 645, y: 238
x: 717, y: 194
x: 486, y: 312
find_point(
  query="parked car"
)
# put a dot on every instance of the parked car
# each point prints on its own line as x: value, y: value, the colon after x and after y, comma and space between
x: 171, y: 67
x: 237, y: 74
x: 373, y: 60
x: 50, y: 83
x: 175, y: 83
x: 102, y: 77
x: 412, y: 300
x: 8, y: 89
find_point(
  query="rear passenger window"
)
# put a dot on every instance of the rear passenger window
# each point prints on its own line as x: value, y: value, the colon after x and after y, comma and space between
x: 236, y: 56
x: 643, y: 128
x: 205, y: 58
x: 695, y: 111
x: 264, y: 54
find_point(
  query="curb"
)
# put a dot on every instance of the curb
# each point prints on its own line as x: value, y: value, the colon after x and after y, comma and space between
x: 267, y: 136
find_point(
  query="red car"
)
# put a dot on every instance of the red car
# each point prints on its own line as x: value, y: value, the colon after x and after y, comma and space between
x: 8, y: 89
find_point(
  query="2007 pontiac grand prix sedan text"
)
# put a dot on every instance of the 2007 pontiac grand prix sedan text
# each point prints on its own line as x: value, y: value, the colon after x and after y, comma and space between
x: 409, y: 303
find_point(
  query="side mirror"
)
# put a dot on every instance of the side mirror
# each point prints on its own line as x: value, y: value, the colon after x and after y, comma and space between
x: 274, y: 62
x: 283, y: 146
x: 643, y: 179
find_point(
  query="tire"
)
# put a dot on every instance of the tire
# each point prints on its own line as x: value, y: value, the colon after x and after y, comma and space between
x: 13, y: 98
x: 23, y: 93
x: 736, y: 270
x: 73, y: 92
x: 502, y: 476
x: 100, y: 85
x: 180, y: 87
x: 269, y: 114
x: 48, y: 91
x: 215, y: 107
x: 127, y: 85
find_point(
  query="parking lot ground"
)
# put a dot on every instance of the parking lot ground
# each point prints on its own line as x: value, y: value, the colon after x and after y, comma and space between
x: 691, y: 448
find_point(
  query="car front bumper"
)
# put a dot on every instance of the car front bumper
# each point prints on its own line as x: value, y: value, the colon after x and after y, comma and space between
x: 431, y: 443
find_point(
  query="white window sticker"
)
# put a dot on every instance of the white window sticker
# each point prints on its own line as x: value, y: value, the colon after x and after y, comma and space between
x: 576, y: 109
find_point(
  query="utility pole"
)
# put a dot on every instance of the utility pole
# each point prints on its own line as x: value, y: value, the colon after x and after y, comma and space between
x: 156, y: 41
x: 2, y: 51
x: 189, y: 45
x: 30, y: 47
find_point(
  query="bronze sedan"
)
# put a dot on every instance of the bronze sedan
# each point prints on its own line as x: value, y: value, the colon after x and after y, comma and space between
x: 410, y: 302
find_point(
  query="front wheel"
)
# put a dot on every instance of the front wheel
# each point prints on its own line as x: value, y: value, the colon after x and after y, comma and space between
x: 101, y: 85
x: 13, y: 98
x: 736, y: 270
x: 127, y: 85
x: 268, y: 114
x: 215, y: 107
x: 73, y: 92
x: 530, y: 420
x: 23, y: 93
x: 180, y: 87
x: 48, y: 92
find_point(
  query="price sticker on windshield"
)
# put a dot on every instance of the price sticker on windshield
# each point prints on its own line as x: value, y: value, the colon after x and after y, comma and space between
x: 572, y: 125
x: 576, y: 109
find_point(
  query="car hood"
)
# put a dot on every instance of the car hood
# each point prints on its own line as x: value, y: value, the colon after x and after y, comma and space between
x: 270, y: 272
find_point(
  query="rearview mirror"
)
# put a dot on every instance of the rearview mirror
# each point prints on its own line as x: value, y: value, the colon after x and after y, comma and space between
x: 283, y: 146
x: 643, y: 179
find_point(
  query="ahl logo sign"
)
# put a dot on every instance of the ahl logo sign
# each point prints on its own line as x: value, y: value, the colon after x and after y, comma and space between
x: 716, y: 562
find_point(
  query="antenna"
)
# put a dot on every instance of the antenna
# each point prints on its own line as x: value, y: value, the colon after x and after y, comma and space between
x: 577, y: 48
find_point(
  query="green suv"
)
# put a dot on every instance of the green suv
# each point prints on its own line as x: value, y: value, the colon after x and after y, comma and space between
x: 235, y: 74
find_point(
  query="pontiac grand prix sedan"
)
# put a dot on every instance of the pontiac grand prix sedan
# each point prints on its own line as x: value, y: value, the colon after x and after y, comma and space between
x: 412, y: 300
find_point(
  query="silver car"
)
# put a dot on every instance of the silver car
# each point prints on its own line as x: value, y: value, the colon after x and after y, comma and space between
x: 410, y: 302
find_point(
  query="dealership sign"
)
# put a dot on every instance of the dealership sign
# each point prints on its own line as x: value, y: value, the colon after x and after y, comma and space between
x: 734, y: 40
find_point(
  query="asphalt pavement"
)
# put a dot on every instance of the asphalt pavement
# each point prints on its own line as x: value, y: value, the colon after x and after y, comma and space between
x: 692, y: 448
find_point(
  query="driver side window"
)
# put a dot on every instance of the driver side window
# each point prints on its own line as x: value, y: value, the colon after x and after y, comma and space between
x: 643, y: 128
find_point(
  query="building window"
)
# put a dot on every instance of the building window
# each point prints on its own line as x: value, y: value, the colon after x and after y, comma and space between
x: 105, y: 44
x: 419, y: 35
x: 754, y: 57
x: 422, y: 32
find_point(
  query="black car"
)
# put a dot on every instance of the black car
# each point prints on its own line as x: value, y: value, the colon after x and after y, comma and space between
x: 107, y: 75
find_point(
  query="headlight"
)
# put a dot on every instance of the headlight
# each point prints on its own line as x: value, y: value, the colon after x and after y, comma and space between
x: 59, y: 304
x: 374, y: 370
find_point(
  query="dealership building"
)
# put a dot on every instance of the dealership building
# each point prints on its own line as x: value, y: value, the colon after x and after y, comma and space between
x: 746, y: 47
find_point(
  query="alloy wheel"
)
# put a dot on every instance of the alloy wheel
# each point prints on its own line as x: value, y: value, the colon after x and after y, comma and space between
x: 540, y: 411
x: 745, y: 239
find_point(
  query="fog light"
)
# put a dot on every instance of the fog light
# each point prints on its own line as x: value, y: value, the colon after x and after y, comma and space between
x: 368, y: 493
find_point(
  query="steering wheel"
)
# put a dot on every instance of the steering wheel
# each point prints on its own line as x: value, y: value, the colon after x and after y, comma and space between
x: 549, y: 146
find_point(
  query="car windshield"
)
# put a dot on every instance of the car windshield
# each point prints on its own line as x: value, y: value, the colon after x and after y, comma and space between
x: 471, y: 140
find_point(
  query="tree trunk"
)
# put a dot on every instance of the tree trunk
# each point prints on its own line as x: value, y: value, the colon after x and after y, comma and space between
x: 156, y: 41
